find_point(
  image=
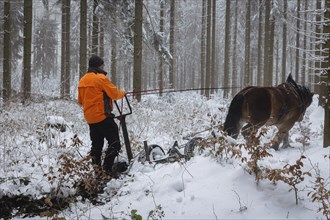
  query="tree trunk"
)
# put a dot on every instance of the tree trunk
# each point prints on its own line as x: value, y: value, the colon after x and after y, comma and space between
x: 266, y: 73
x: 322, y: 91
x: 172, y: 50
x: 271, y: 49
x: 214, y: 80
x: 83, y: 38
x: 203, y: 47
x: 318, y: 49
x: 101, y: 44
x: 304, y: 61
x: 137, y: 81
x: 277, y: 80
x: 297, y: 43
x: 63, y: 54
x: 326, y: 135
x: 326, y: 86
x: 27, y: 50
x: 160, y: 57
x: 259, y: 59
x: 6, y: 86
x: 67, y: 50
x: 226, y: 72
x: 113, y: 64
x: 284, y: 41
x: 208, y: 49
x: 235, y: 75
x: 95, y: 30
x: 247, y: 74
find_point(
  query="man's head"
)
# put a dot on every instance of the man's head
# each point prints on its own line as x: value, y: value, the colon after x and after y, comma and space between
x: 95, y: 61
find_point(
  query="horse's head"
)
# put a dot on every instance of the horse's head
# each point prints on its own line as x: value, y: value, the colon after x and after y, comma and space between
x: 307, y: 95
x: 291, y: 81
x: 306, y: 98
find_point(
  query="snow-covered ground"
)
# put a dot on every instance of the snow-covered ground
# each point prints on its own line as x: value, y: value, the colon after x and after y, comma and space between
x: 205, y: 187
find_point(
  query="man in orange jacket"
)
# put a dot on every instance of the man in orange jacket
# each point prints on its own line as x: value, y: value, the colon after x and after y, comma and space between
x: 95, y: 95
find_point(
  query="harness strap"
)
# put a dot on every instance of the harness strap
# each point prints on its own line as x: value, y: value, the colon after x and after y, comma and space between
x: 284, y: 107
x: 297, y: 89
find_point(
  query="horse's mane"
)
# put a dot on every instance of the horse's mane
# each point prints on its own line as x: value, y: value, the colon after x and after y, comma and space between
x: 303, y: 91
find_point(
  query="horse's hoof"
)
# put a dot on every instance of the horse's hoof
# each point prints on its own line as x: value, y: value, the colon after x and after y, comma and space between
x: 286, y: 146
x: 275, y: 147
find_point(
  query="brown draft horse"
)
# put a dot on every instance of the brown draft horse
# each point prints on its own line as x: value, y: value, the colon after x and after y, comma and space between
x: 281, y: 106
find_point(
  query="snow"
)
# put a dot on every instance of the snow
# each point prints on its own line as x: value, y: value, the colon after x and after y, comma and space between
x: 205, y: 187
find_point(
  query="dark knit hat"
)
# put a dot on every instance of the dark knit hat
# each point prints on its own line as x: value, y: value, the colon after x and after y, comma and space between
x: 95, y: 61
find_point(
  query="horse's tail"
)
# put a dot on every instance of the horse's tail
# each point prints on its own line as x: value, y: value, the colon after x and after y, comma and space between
x: 231, y: 125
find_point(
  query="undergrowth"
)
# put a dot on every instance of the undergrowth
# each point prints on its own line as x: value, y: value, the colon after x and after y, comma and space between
x: 56, y: 152
x: 222, y: 147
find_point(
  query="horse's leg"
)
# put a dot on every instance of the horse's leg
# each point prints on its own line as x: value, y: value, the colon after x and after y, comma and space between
x: 278, y: 139
x: 275, y: 108
x: 282, y: 134
x: 247, y: 131
x: 286, y: 143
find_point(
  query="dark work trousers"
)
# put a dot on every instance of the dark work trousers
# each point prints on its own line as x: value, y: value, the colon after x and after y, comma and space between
x: 107, y: 129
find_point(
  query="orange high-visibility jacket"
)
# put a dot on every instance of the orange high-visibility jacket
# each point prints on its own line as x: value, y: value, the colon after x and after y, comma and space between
x: 95, y: 94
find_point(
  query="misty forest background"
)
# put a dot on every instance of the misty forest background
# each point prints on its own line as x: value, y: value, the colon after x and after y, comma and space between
x: 220, y: 45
